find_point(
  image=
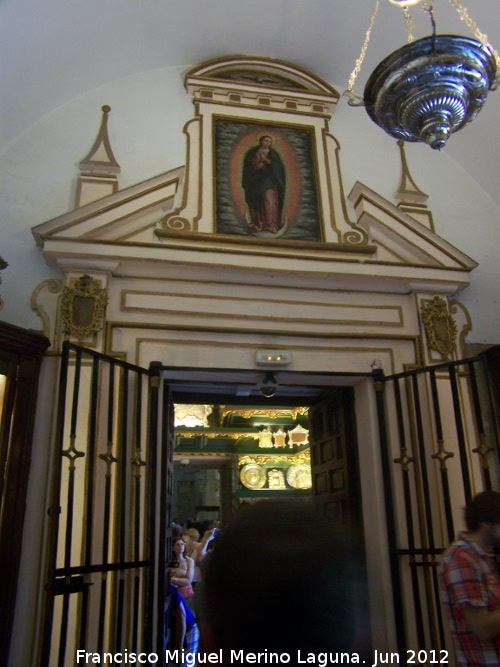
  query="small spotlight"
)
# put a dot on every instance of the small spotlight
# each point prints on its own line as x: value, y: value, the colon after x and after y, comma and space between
x: 273, y: 357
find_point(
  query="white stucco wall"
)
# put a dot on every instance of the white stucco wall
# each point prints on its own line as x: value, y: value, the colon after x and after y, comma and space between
x: 39, y: 171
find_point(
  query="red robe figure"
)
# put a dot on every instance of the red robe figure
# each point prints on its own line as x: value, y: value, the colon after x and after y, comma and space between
x: 264, y: 184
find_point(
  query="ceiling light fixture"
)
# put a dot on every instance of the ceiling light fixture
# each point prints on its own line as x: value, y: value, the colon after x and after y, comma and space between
x: 431, y: 87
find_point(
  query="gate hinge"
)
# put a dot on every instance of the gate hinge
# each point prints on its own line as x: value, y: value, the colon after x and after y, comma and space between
x: 54, y: 510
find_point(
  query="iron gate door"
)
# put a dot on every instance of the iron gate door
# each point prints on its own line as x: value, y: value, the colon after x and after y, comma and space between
x: 439, y: 447
x: 104, y: 590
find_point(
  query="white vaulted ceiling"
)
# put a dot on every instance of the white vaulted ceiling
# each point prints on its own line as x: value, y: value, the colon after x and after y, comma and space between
x: 56, y: 50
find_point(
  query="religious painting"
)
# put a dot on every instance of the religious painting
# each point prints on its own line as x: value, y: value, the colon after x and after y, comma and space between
x: 265, y: 182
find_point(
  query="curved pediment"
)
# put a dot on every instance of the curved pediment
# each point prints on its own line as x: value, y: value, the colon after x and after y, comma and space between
x: 267, y: 72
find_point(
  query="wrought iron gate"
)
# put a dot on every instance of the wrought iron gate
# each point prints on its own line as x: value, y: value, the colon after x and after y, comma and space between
x: 105, y: 584
x: 439, y: 446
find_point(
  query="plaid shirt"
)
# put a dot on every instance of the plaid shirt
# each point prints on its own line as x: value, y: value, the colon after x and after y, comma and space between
x: 468, y: 577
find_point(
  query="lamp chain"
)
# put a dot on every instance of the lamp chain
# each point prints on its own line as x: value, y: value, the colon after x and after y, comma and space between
x: 428, y: 6
x: 480, y: 36
x: 409, y: 25
x: 356, y: 100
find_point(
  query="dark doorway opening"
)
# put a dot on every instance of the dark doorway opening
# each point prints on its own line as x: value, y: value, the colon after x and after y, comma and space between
x: 328, y: 416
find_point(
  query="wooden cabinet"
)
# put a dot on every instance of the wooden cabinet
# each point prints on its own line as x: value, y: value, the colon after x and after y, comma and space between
x: 21, y: 352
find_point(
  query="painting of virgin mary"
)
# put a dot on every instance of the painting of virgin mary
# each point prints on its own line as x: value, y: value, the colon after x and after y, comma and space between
x: 265, y: 183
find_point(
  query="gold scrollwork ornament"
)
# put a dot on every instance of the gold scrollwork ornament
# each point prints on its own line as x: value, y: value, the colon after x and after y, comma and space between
x: 83, y: 307
x: 440, y: 327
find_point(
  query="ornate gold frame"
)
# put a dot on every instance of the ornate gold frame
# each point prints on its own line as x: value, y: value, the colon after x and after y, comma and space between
x: 80, y: 317
x: 440, y: 327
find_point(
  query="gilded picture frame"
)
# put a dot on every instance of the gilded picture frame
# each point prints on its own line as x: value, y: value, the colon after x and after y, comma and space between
x: 440, y: 327
x: 83, y: 307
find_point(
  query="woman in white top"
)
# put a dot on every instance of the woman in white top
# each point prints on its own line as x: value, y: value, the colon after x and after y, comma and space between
x: 182, y: 575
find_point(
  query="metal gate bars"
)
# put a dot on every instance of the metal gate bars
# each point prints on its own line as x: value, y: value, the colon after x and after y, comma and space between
x: 101, y: 591
x: 439, y: 447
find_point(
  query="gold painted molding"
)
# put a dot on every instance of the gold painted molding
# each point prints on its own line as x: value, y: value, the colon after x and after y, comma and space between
x: 53, y: 286
x: 248, y: 413
x: 303, y: 457
x: 215, y: 433
x: 83, y: 307
x: 174, y: 230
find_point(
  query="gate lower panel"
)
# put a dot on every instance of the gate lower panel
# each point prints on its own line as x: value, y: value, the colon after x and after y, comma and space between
x: 101, y: 580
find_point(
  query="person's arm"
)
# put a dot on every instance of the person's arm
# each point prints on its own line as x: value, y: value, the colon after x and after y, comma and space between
x: 484, y: 624
x: 468, y: 590
x: 202, y: 549
x: 185, y: 581
x: 195, y: 553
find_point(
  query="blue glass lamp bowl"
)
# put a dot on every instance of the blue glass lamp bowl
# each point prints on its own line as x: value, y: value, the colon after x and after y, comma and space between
x: 430, y: 88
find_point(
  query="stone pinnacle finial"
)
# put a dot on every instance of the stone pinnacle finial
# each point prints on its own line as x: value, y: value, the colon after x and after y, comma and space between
x: 100, y: 159
x: 408, y: 191
x: 412, y: 198
x: 98, y: 170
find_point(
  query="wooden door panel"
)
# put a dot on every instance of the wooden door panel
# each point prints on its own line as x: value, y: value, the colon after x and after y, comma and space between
x: 334, y: 460
x: 336, y: 486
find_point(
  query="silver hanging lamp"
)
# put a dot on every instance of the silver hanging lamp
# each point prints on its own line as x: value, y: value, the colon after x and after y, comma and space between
x: 431, y: 87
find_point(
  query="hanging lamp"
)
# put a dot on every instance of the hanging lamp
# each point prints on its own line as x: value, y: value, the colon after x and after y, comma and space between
x: 431, y: 87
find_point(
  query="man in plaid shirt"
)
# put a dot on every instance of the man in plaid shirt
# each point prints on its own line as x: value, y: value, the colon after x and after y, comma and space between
x: 470, y: 584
